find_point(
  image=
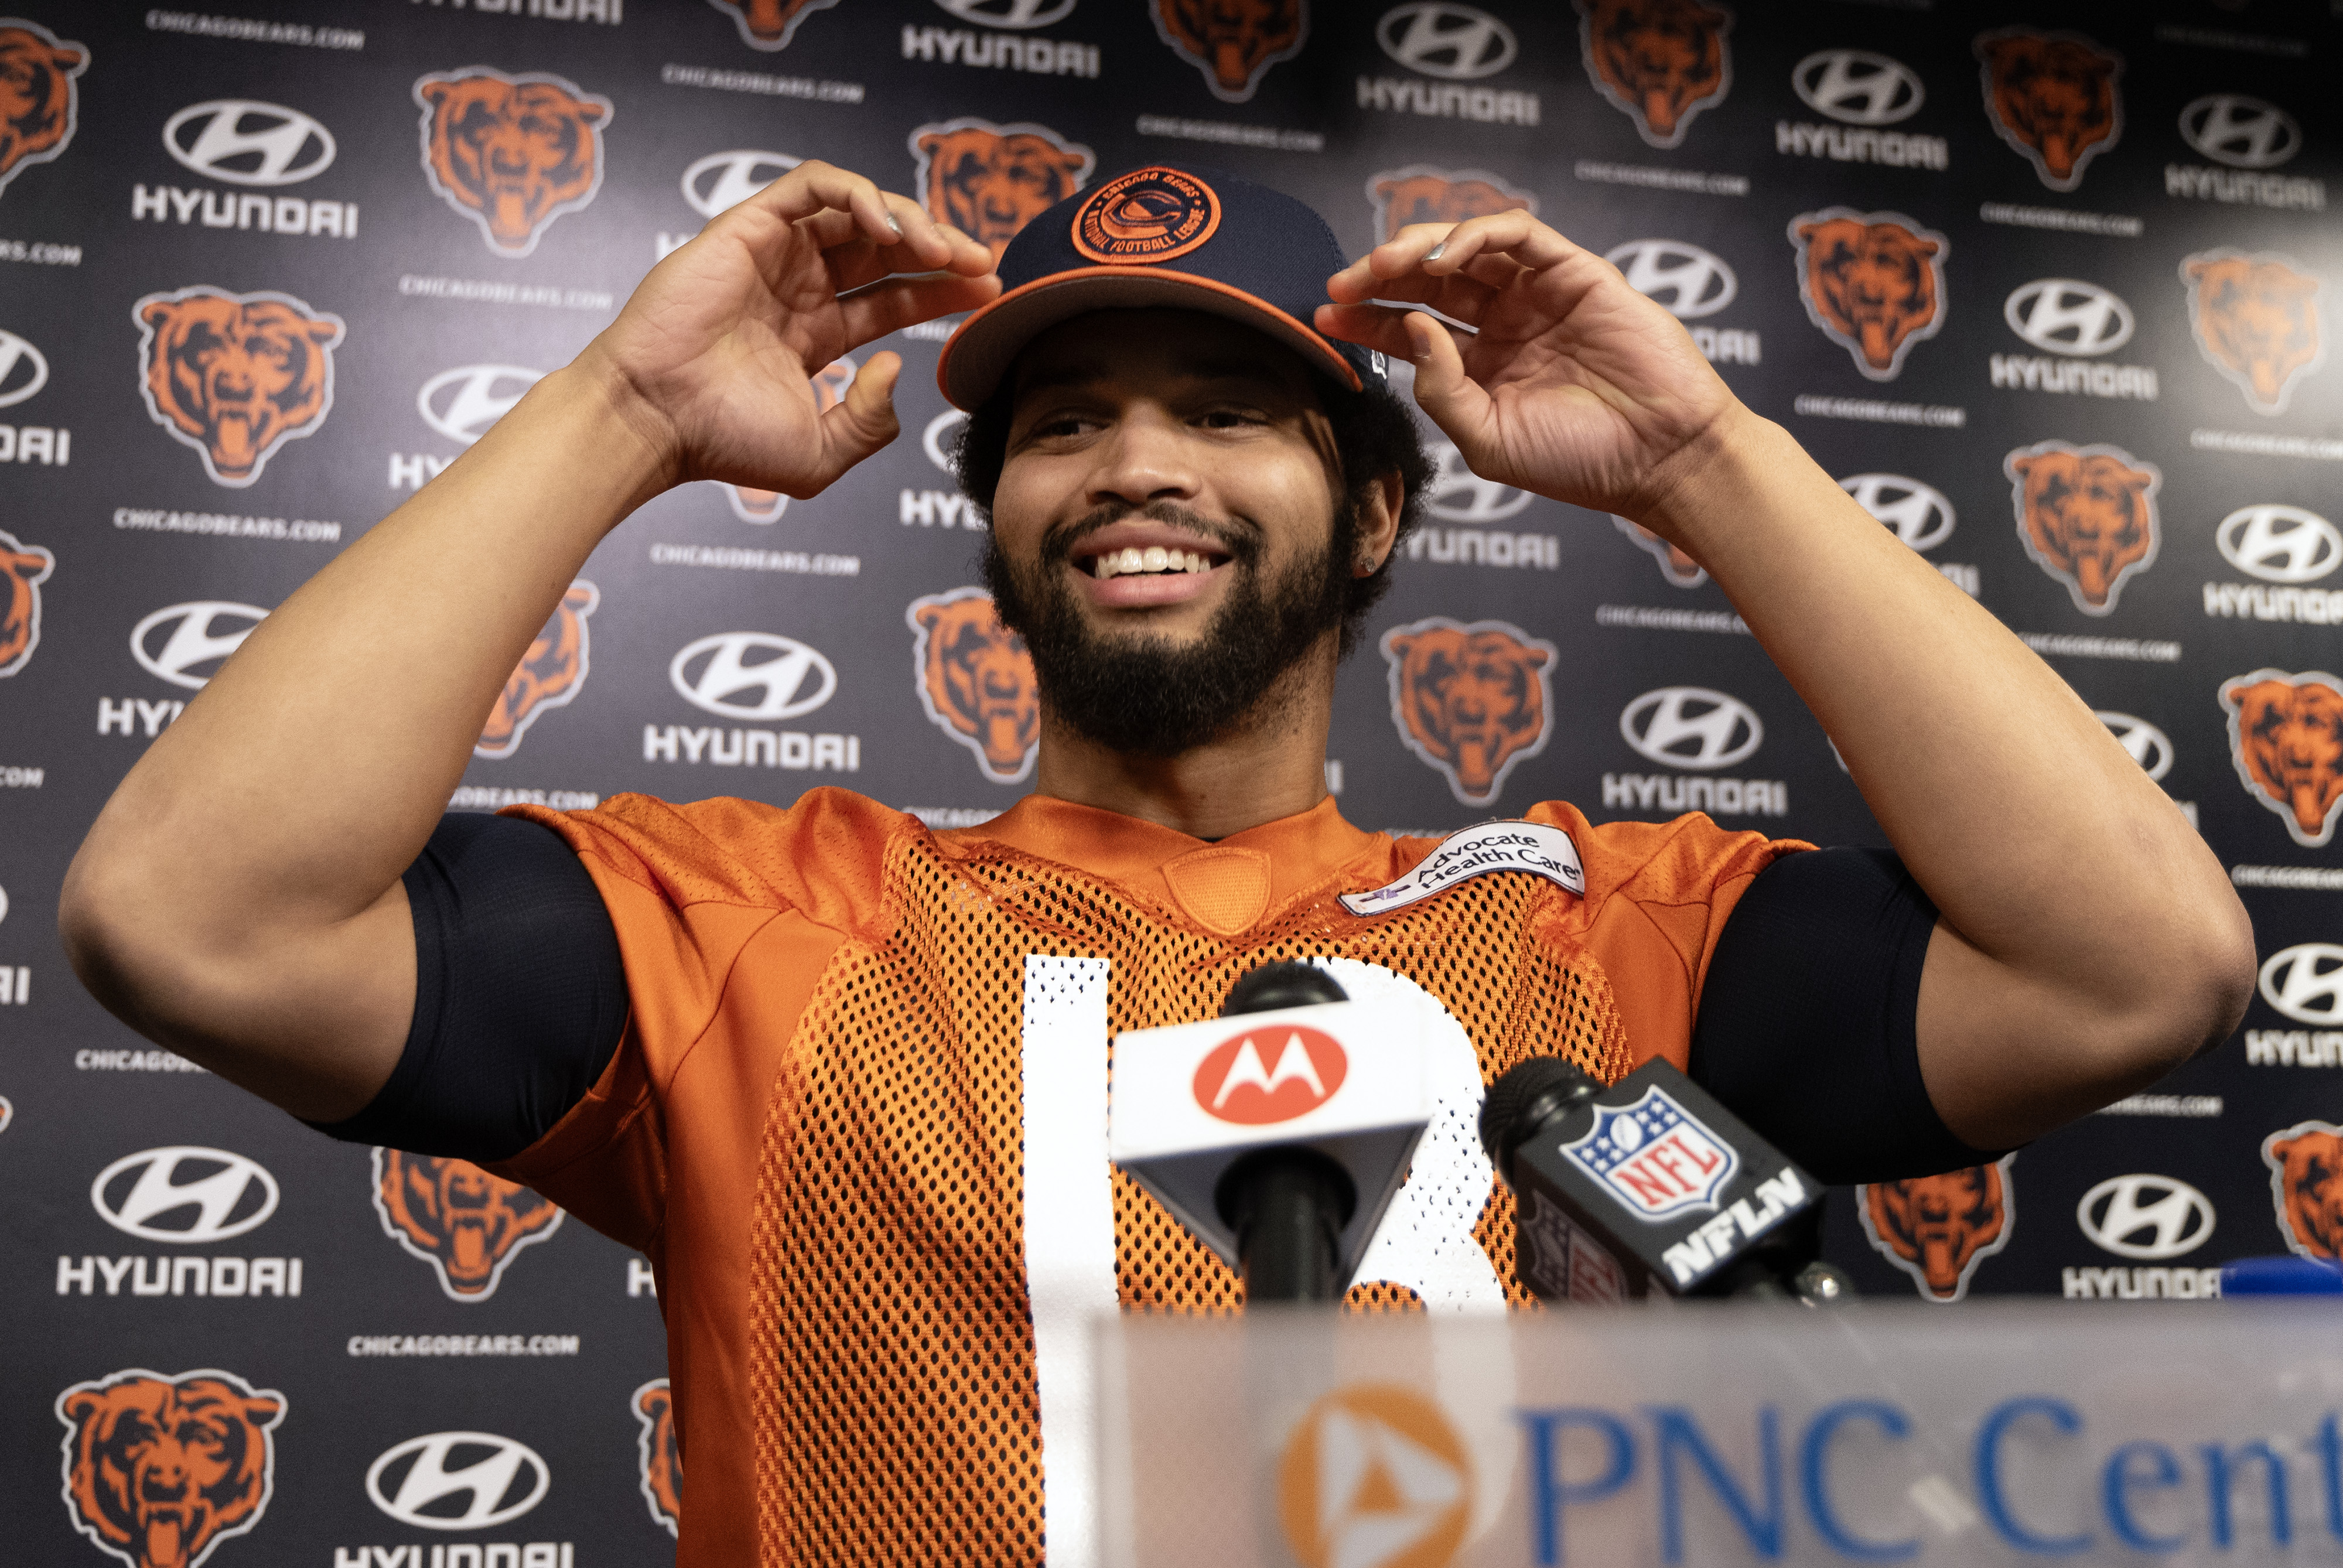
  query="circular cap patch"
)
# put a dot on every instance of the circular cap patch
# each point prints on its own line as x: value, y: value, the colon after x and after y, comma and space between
x: 1146, y: 216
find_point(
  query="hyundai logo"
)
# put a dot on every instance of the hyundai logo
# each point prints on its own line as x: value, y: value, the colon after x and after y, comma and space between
x: 2241, y: 132
x: 717, y: 182
x: 2151, y: 1216
x: 1458, y: 495
x: 726, y: 682
x: 2067, y: 315
x: 184, y: 1194
x: 24, y: 369
x: 462, y: 403
x: 2279, y: 544
x: 1915, y: 513
x: 2306, y: 982
x: 1686, y: 279
x: 1858, y: 88
x: 1010, y: 13
x: 457, y: 1480
x: 937, y: 439
x: 1691, y: 726
x: 4, y: 903
x: 243, y: 143
x: 183, y: 643
x: 2148, y: 746
x: 1455, y: 43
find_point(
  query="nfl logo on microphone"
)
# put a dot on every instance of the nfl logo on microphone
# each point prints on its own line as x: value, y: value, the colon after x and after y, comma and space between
x: 1654, y: 1157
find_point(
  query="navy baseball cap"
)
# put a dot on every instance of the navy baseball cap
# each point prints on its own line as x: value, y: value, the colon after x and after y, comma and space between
x: 1185, y: 237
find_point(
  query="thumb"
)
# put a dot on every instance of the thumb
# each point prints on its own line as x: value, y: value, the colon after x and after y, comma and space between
x: 1456, y: 403
x: 864, y: 419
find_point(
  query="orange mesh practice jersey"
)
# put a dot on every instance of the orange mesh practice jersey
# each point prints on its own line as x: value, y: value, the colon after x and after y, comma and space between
x: 857, y: 1119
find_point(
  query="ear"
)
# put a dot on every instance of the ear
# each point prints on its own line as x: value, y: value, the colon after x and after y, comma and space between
x: 436, y: 94
x: 929, y: 617
x: 261, y: 1410
x: 1807, y: 231
x: 68, y: 60
x: 83, y: 1405
x: 155, y: 313
x: 1925, y: 247
x: 587, y: 111
x: 323, y: 332
x: 2194, y: 269
x: 929, y: 141
x: 2023, y: 464
x: 1400, y: 643
x: 1536, y: 658
x: 580, y: 597
x: 2299, y: 288
x: 2137, y: 482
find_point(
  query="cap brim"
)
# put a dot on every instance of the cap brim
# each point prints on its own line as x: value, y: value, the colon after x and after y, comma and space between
x: 980, y: 354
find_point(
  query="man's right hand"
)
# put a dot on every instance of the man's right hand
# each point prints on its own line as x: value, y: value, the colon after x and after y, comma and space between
x: 712, y: 359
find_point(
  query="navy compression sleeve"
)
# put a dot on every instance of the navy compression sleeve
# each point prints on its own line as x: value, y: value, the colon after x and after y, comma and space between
x: 519, y: 994
x: 1806, y: 1018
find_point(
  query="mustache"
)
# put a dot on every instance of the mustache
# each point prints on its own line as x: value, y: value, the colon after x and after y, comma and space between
x: 1241, y: 540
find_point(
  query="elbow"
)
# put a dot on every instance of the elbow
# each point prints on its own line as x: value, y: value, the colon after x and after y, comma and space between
x: 2188, y: 997
x: 106, y: 941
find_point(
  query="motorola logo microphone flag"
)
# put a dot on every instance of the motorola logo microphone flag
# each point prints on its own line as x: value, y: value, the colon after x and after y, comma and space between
x: 2241, y: 132
x: 242, y: 142
x: 1454, y: 43
x: 753, y: 675
x: 1688, y: 281
x: 184, y: 1193
x: 1271, y: 1075
x: 722, y: 180
x: 457, y: 1480
x: 1691, y: 726
x: 186, y: 644
x: 1857, y: 87
x: 2152, y: 1218
x: 2279, y: 544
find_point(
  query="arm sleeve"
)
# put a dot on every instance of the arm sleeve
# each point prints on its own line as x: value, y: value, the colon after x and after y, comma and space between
x: 1807, y: 1022
x: 519, y: 994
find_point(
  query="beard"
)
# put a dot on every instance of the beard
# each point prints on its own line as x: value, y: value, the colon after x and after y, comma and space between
x: 1143, y: 694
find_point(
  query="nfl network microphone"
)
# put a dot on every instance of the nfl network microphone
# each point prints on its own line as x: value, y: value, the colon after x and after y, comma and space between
x: 1278, y: 1132
x: 1649, y: 1186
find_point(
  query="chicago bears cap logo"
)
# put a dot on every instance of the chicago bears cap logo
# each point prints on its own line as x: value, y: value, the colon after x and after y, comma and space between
x: 2305, y: 1167
x: 2256, y: 320
x: 511, y: 153
x: 975, y: 681
x: 2286, y: 740
x: 1146, y: 216
x: 159, y: 1471
x: 2052, y: 96
x: 2087, y: 516
x: 1873, y: 281
x: 989, y: 181
x: 1232, y: 46
x: 466, y: 1223
x: 549, y: 674
x: 22, y: 569
x: 1659, y: 62
x: 1938, y: 1229
x: 1472, y: 700
x: 235, y: 375
x: 658, y: 1455
x: 770, y: 24
x: 40, y: 101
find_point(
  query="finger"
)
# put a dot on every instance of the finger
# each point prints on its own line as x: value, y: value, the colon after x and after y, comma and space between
x: 863, y: 421
x: 1515, y: 234
x: 1375, y: 327
x: 1466, y: 299
x: 814, y: 185
x: 1458, y: 404
x: 891, y: 306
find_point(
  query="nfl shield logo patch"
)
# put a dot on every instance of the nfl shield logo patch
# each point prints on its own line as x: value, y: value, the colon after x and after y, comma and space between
x: 1654, y: 1157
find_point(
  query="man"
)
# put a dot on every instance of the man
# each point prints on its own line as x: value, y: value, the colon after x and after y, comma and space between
x: 803, y: 1058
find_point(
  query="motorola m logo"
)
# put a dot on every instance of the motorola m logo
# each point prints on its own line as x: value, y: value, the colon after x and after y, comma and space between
x: 1686, y: 279
x: 462, y: 403
x: 184, y: 1194
x: 937, y: 439
x: 24, y: 369
x: 1915, y: 513
x: 1018, y: 13
x: 243, y: 143
x: 2150, y: 746
x: 2279, y: 544
x: 2306, y: 983
x: 186, y: 644
x: 1691, y: 726
x: 752, y: 675
x: 2241, y: 132
x: 1455, y: 43
x: 2149, y: 1216
x: 457, y: 1480
x: 1458, y: 495
x: 720, y: 180
x: 2067, y: 315
x: 1858, y: 88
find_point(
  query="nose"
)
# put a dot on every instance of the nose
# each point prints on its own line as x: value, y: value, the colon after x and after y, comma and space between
x: 1147, y: 457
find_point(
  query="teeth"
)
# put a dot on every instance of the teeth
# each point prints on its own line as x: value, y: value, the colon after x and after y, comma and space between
x: 1153, y: 558
x: 1132, y: 559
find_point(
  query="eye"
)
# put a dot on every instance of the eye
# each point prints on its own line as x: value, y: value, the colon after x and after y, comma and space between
x: 1230, y: 416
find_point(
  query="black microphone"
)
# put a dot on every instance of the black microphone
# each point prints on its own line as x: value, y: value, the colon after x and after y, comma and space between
x: 1649, y: 1186
x: 1286, y: 1203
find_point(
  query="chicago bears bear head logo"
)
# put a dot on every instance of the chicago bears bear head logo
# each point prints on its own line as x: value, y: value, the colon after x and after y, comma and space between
x: 1873, y: 281
x: 2305, y: 1167
x: 1233, y: 42
x: 2053, y: 97
x: 511, y: 153
x: 989, y: 181
x: 754, y: 506
x: 2087, y: 516
x: 1422, y: 194
x: 1679, y: 569
x: 39, y: 100
x: 770, y: 24
x: 2256, y: 322
x: 976, y: 680
x: 2286, y: 740
x: 235, y: 375
x: 549, y: 674
x: 160, y: 1470
x: 1660, y: 62
x: 22, y: 568
x: 661, y: 1457
x: 1938, y: 1229
x: 466, y: 1223
x: 1472, y: 700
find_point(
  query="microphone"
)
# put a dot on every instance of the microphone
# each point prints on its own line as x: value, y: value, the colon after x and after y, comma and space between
x: 1649, y: 1187
x: 1280, y: 1143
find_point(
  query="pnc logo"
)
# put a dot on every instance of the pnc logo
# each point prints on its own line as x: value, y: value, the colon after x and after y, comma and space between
x: 1938, y: 1229
x: 1873, y: 281
x: 2148, y: 746
x: 2285, y: 741
x: 241, y: 142
x: 722, y: 180
x: 1458, y: 495
x: 2255, y: 321
x: 1691, y: 726
x: 1659, y: 62
x: 22, y: 569
x: 186, y: 644
x: 975, y: 681
x: 24, y: 369
x: 1232, y: 46
x: 2052, y: 96
x: 457, y: 1480
x: 2149, y: 1216
x: 39, y: 97
x: 752, y: 675
x: 466, y: 1223
x: 2067, y: 315
x: 2279, y: 544
x: 989, y: 181
x: 2241, y: 132
x: 2305, y: 1167
x: 1472, y: 699
x: 2087, y: 516
x: 1688, y: 281
x: 158, y: 1470
x: 1236, y: 1083
x: 1858, y: 88
x: 2306, y: 983
x: 511, y: 153
x: 235, y: 375
x: 1018, y: 13
x: 1374, y: 1477
x: 1454, y: 43
x: 1917, y: 513
x: 184, y: 1194
x: 462, y: 403
x: 659, y: 1456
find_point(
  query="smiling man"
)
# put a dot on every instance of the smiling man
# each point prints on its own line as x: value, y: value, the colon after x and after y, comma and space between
x: 809, y: 1059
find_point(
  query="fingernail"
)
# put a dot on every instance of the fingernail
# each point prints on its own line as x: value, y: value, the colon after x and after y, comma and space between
x: 1437, y: 252
x: 896, y: 224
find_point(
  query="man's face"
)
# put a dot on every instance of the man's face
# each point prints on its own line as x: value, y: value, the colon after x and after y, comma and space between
x: 1168, y: 531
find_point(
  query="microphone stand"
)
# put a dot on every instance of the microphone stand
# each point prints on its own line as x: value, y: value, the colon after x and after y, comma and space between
x: 1287, y: 1204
